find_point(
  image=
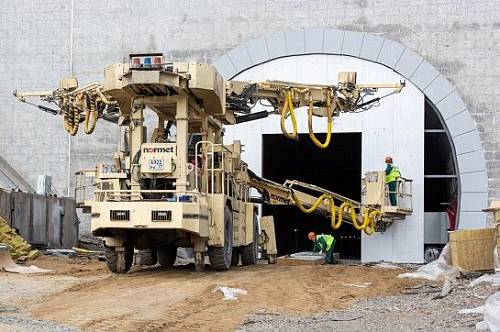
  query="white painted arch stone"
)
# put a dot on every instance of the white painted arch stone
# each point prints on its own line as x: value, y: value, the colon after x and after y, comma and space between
x: 473, y: 178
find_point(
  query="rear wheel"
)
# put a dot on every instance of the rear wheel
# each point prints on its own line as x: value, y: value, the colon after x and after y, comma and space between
x: 235, y: 258
x: 249, y: 252
x: 119, y: 261
x: 221, y: 257
x: 167, y: 256
x: 148, y: 257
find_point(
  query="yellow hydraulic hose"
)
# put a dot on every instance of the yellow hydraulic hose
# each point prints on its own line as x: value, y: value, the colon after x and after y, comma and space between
x: 335, y: 224
x: 370, y: 229
x: 288, y: 108
x: 328, y: 128
x: 90, y: 112
x: 71, y: 118
x: 369, y: 216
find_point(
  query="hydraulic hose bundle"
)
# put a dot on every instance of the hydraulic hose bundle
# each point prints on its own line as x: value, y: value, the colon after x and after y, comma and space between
x: 71, y: 117
x: 287, y: 109
x: 88, y: 102
x: 90, y: 113
x: 366, y: 222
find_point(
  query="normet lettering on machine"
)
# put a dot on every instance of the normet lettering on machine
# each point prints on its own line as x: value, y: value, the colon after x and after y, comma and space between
x: 158, y: 150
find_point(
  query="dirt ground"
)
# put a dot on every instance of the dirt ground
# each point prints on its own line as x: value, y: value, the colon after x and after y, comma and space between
x: 84, y: 295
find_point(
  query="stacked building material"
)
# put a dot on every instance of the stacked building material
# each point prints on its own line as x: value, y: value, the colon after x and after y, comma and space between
x: 19, y: 248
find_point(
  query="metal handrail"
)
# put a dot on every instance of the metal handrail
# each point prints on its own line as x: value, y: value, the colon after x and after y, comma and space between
x: 212, y: 169
x: 401, y: 190
x: 132, y: 192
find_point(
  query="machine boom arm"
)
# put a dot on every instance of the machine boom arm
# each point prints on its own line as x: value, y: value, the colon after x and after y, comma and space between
x: 87, y: 104
x: 313, y: 199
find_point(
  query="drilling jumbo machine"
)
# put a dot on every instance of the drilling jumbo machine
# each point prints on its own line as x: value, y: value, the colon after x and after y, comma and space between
x: 182, y: 187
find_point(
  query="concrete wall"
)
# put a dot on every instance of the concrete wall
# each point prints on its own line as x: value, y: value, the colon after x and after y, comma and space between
x: 43, y: 40
x: 43, y: 221
x: 394, y: 128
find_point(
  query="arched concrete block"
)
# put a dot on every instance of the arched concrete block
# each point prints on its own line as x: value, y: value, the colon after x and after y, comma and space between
x: 473, y: 202
x: 257, y: 50
x: 467, y: 142
x: 295, y: 42
x: 240, y: 58
x: 474, y: 182
x: 460, y: 124
x: 276, y: 45
x: 352, y: 43
x: 225, y: 67
x: 451, y: 105
x: 314, y: 40
x: 390, y: 53
x: 371, y: 47
x: 471, y: 162
x: 471, y: 220
x: 408, y: 63
x: 333, y: 40
x: 438, y: 89
x: 424, y: 75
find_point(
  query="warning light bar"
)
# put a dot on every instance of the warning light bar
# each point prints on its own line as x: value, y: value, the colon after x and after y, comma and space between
x: 147, y: 61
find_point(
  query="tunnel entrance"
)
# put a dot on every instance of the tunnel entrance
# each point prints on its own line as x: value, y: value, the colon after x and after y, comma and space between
x: 336, y: 168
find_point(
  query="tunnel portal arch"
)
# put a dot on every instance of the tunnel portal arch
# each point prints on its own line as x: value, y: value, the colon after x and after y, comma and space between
x: 468, y: 153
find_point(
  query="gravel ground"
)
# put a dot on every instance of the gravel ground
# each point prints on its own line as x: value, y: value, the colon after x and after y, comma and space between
x: 22, y: 324
x: 403, y: 312
x: 13, y: 319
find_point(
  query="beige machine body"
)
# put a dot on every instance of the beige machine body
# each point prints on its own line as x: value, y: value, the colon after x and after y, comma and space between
x: 182, y: 186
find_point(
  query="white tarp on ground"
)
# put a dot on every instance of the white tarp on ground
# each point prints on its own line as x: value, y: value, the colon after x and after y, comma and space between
x: 230, y: 293
x: 435, y: 270
x: 8, y: 265
x: 493, y: 279
x: 491, y: 312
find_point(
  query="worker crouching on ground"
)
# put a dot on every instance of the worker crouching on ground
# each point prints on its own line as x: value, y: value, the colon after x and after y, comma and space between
x: 323, y: 243
x: 391, y: 176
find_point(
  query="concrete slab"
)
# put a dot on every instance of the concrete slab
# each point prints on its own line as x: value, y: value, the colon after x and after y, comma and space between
x: 302, y: 258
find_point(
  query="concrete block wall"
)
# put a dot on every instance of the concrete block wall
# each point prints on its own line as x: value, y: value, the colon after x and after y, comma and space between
x: 44, y: 40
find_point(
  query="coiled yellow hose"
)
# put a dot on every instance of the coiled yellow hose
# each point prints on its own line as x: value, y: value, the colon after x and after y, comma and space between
x: 90, y: 112
x: 71, y: 118
x: 328, y: 126
x: 288, y: 108
x: 369, y: 215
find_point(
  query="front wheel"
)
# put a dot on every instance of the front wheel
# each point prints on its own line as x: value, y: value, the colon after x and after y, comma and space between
x: 221, y: 257
x: 249, y: 252
x: 119, y: 261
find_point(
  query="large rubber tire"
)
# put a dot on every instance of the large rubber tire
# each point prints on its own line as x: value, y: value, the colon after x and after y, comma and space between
x: 119, y: 261
x: 235, y: 258
x: 167, y: 256
x: 249, y: 252
x: 221, y: 257
x: 148, y: 257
